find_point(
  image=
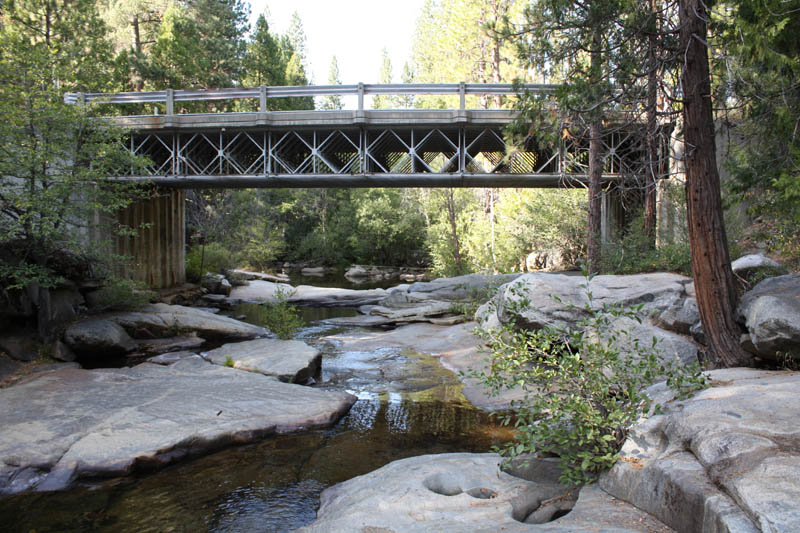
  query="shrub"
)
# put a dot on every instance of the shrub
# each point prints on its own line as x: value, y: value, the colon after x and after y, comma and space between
x: 476, y: 298
x: 122, y: 295
x: 581, y: 395
x: 229, y: 362
x: 633, y: 253
x: 212, y: 257
x: 280, y: 317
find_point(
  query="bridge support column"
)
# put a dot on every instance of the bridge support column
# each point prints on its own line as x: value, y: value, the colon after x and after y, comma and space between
x: 158, y: 250
x: 612, y: 215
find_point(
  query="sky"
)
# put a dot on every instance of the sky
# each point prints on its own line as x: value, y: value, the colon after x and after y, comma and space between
x: 355, y: 31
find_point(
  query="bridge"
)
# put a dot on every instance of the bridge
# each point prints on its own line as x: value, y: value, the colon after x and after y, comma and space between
x: 247, y: 145
x: 359, y: 147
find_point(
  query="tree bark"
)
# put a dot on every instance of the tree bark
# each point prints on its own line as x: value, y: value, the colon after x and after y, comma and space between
x: 713, y: 278
x: 594, y: 221
x: 651, y: 175
x: 450, y: 202
x: 595, y: 167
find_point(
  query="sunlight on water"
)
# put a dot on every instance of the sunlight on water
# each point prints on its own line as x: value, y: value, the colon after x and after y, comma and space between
x: 407, y: 405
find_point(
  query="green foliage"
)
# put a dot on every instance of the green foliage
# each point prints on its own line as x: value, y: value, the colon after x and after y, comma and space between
x: 333, y: 102
x: 53, y: 157
x: 761, y: 74
x: 122, y: 295
x: 213, y: 257
x: 581, y: 394
x: 229, y: 361
x: 476, y: 298
x: 280, y: 317
x: 633, y: 253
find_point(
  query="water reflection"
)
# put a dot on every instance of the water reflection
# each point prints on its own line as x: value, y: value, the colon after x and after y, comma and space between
x: 408, y: 405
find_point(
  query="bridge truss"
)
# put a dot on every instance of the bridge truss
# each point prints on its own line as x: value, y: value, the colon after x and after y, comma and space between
x: 359, y: 148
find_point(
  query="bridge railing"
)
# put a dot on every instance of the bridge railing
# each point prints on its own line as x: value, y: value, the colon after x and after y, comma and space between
x: 264, y: 93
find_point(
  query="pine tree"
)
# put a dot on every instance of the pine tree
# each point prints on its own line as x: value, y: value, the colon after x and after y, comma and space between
x: 200, y: 44
x: 53, y: 157
x: 385, y: 76
x: 263, y: 62
x: 297, y: 38
x: 333, y: 101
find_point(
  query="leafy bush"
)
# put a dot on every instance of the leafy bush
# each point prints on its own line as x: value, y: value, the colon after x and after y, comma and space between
x: 122, y: 295
x: 633, y: 253
x: 229, y: 362
x: 280, y: 317
x: 581, y: 394
x: 213, y: 257
x: 476, y: 298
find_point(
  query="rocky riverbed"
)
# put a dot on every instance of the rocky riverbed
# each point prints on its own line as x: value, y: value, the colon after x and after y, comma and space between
x: 697, y: 467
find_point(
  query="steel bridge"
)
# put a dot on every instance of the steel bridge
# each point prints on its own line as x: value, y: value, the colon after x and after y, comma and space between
x: 248, y: 145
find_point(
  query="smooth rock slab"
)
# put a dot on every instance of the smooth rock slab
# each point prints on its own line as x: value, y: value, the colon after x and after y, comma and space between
x: 725, y: 460
x: 288, y: 360
x: 259, y: 291
x: 162, y: 320
x: 539, y: 300
x: 335, y: 297
x: 632, y: 338
x: 69, y: 424
x: 98, y: 337
x: 463, y: 492
x: 771, y: 311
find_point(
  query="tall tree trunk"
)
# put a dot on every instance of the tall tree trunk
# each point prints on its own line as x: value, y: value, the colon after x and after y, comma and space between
x: 713, y: 278
x: 450, y: 202
x: 595, y: 167
x: 595, y: 197
x: 652, y: 131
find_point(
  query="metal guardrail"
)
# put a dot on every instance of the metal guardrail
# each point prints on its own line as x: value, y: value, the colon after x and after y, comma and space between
x: 263, y: 93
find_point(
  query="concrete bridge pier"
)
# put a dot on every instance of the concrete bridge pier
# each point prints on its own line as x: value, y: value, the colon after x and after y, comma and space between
x: 158, y: 250
x: 612, y: 214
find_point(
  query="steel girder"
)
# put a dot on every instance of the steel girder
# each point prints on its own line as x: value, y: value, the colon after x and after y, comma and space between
x: 378, y: 156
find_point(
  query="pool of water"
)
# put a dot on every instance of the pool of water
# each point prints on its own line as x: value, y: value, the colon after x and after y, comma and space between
x: 408, y: 405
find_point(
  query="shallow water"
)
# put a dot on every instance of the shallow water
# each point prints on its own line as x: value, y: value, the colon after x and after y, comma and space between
x: 408, y: 405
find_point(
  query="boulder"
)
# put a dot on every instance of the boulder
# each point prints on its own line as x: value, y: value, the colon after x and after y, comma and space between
x: 725, y: 460
x: 631, y: 337
x: 162, y: 320
x: 771, y: 312
x: 98, y: 337
x: 678, y: 317
x: 750, y: 262
x: 288, y: 360
x: 22, y: 347
x: 356, y: 271
x: 65, y: 425
x: 470, y: 286
x: 246, y: 275
x: 216, y: 284
x: 546, y: 260
x: 463, y: 492
x: 259, y: 291
x: 62, y: 352
x: 382, y: 315
x: 334, y: 297
x: 538, y: 300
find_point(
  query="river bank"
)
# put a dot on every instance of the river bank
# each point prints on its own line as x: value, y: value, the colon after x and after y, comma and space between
x: 405, y: 402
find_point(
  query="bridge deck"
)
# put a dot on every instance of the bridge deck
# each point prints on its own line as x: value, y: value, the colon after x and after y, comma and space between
x: 354, y: 148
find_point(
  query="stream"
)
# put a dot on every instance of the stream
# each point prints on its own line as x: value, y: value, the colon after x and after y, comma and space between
x: 407, y: 405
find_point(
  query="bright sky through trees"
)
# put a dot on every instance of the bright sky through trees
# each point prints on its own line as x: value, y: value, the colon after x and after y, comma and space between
x: 355, y: 31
